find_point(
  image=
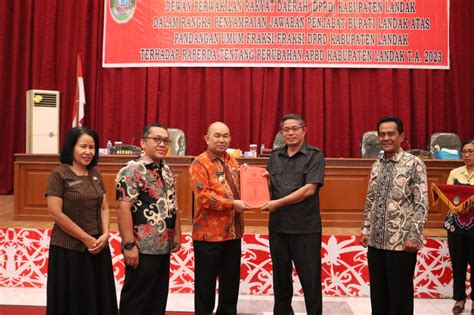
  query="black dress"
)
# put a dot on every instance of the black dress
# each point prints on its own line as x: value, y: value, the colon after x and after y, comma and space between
x: 80, y: 283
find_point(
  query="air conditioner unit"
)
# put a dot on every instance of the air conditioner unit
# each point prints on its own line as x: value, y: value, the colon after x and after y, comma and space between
x: 42, y: 121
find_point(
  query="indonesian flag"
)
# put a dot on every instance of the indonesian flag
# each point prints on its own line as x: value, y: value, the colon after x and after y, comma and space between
x: 79, y: 97
x: 459, y: 198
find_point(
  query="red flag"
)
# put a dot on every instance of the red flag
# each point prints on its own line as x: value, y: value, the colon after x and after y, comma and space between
x: 79, y: 97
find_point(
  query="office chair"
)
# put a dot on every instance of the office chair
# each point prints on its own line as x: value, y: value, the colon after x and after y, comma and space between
x: 370, y: 146
x: 178, y: 142
x: 444, y: 140
x: 279, y: 141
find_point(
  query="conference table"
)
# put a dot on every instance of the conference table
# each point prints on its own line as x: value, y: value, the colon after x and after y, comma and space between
x: 342, y: 198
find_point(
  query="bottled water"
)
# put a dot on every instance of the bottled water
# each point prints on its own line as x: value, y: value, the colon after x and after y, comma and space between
x: 109, y: 146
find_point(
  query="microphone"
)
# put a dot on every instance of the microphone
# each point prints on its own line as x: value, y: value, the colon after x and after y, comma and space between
x: 133, y: 139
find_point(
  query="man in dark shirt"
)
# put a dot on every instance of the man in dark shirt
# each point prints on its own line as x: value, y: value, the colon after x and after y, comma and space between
x: 296, y: 172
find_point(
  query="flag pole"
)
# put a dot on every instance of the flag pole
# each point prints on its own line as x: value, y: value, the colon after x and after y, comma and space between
x: 79, y: 96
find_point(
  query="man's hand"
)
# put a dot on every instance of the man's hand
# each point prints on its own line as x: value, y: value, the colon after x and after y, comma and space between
x: 411, y: 246
x: 176, y: 241
x: 240, y: 206
x: 131, y: 257
x: 364, y: 240
x: 271, y: 206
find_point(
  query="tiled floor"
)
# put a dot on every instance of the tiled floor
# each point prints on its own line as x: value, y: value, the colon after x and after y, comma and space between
x: 249, y: 304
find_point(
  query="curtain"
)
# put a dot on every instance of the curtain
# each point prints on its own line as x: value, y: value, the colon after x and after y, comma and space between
x: 39, y: 41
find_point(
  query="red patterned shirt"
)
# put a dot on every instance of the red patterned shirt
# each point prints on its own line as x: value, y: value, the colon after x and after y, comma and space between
x: 151, y: 189
x: 215, y: 183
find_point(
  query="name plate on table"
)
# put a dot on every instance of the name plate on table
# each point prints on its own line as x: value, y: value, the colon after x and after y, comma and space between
x: 254, y: 186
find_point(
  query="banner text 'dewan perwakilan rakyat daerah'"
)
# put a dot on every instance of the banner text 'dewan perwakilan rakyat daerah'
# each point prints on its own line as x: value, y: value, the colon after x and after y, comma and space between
x: 277, y: 33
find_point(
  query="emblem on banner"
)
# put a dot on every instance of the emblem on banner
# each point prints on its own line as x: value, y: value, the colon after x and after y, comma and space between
x: 122, y: 10
x: 456, y: 200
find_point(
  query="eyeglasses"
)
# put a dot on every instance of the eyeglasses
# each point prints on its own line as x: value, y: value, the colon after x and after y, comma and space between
x: 158, y: 140
x: 288, y: 129
x: 467, y: 152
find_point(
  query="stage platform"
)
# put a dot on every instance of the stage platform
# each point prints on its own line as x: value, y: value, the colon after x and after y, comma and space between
x: 24, y: 256
x: 24, y: 253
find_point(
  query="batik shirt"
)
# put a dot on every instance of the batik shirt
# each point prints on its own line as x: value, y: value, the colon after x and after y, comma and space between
x: 397, y: 202
x: 151, y: 189
x: 215, y: 183
x: 462, y: 223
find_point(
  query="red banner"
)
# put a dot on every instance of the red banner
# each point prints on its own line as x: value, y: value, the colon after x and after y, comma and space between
x: 277, y: 33
x: 458, y: 198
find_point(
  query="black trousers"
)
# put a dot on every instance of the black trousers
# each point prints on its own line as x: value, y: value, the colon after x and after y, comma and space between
x: 391, y: 281
x: 145, y: 289
x: 214, y: 260
x: 461, y: 251
x: 304, y: 250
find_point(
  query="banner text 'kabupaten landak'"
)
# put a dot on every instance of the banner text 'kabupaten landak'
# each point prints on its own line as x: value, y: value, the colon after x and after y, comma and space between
x: 277, y: 33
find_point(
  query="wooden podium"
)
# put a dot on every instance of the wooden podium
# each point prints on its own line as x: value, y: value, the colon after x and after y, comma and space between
x: 31, y: 176
x: 342, y: 198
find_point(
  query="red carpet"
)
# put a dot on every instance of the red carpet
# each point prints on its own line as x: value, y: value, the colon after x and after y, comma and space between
x: 41, y: 310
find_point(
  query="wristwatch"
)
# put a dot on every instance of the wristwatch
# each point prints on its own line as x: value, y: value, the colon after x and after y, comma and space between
x: 128, y: 246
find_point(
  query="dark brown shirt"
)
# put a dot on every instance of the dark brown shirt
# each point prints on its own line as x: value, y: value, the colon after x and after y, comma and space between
x: 82, y: 199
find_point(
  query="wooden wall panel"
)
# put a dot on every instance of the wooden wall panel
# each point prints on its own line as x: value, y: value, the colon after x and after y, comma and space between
x: 342, y: 198
x: 183, y: 191
x: 32, y: 170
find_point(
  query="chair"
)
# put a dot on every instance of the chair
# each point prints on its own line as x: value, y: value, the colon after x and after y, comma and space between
x: 178, y: 142
x: 279, y: 141
x: 370, y: 145
x: 446, y: 140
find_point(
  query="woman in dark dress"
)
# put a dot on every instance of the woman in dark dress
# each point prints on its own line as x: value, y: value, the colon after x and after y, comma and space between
x: 80, y: 276
x: 461, y: 231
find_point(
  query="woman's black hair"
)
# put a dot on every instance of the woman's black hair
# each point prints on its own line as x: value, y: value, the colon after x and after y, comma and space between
x: 468, y: 141
x: 67, y: 151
